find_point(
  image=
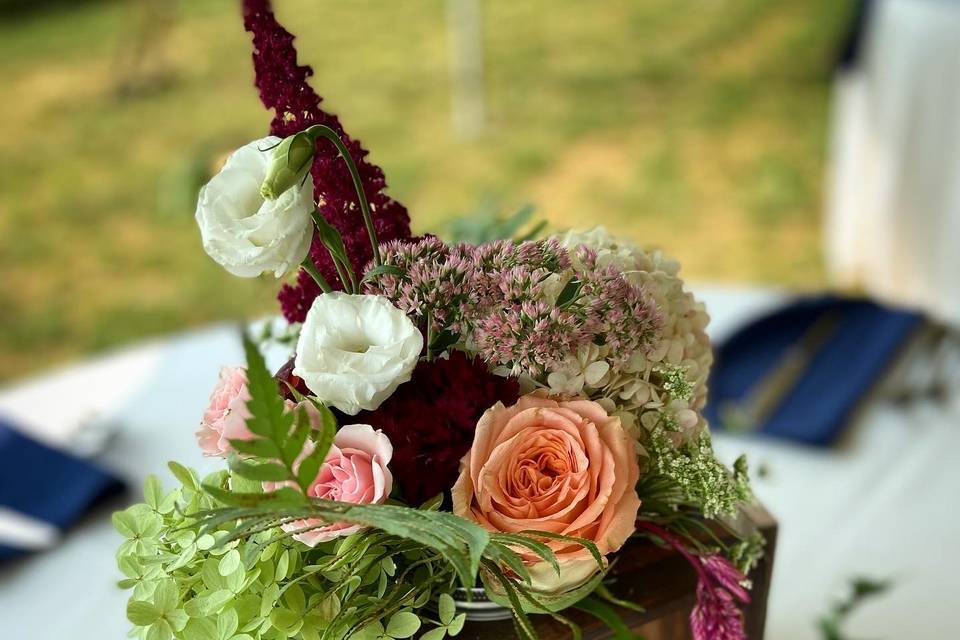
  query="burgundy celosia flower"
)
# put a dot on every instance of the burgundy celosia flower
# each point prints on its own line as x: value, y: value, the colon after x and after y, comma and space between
x: 283, y: 87
x: 720, y: 590
x: 431, y: 419
x: 287, y: 381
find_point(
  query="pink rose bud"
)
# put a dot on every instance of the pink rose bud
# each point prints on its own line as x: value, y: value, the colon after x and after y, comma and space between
x: 355, y: 471
x: 226, y: 417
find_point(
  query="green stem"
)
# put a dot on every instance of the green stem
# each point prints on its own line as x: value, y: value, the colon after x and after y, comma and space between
x: 311, y: 268
x: 344, y: 278
x: 331, y: 135
x: 338, y: 253
x: 429, y: 335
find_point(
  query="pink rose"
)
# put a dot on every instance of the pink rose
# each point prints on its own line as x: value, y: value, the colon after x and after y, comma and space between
x: 565, y: 467
x: 355, y: 471
x: 226, y: 416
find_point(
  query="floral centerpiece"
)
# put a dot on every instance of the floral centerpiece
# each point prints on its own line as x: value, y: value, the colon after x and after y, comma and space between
x: 504, y: 416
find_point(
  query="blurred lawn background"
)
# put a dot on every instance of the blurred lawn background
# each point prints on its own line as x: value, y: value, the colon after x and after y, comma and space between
x: 695, y: 125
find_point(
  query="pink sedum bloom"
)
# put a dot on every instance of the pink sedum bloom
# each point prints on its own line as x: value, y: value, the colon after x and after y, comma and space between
x: 226, y: 416
x: 355, y: 471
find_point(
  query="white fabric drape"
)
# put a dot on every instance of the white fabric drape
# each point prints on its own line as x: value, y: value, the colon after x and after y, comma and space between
x: 893, y: 205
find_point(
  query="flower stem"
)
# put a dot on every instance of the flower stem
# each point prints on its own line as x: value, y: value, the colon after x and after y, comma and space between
x: 429, y: 335
x: 311, y: 268
x: 331, y: 135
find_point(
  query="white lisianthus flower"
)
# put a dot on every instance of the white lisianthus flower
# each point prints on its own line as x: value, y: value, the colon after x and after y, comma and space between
x: 245, y: 233
x: 355, y: 350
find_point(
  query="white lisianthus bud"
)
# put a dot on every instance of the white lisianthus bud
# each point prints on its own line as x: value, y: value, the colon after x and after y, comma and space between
x: 288, y: 166
x: 355, y: 350
x: 246, y: 233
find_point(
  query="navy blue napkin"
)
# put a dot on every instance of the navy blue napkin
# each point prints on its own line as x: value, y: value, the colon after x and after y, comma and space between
x: 800, y: 372
x: 46, y: 484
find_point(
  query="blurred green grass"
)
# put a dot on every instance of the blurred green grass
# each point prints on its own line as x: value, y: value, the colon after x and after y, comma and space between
x: 693, y: 125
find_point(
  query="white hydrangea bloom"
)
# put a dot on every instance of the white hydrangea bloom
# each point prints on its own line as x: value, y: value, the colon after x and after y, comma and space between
x: 586, y: 367
x: 670, y: 381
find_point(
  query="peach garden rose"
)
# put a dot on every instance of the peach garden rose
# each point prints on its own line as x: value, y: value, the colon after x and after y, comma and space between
x: 563, y: 466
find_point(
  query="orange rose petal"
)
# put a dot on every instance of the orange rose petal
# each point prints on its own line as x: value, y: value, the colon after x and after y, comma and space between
x: 558, y: 466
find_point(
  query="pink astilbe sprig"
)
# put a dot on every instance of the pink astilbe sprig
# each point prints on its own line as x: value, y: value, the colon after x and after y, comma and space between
x: 283, y: 87
x: 720, y: 591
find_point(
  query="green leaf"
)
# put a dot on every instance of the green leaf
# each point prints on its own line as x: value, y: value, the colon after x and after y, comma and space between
x: 333, y: 242
x: 434, y: 634
x: 187, y: 477
x: 370, y: 631
x: 606, y: 595
x: 268, y: 416
x: 589, y: 545
x: 283, y: 564
x: 208, y: 604
x: 229, y: 563
x: 534, y: 231
x: 383, y: 269
x: 292, y: 446
x: 178, y: 619
x: 167, y: 596
x: 137, y: 521
x: 446, y: 608
x: 537, y: 547
x: 270, y: 596
x: 535, y: 602
x: 239, y: 484
x: 287, y: 621
x: 505, y: 556
x: 159, y: 630
x: 259, y: 447
x: 569, y: 293
x: 433, y: 504
x: 461, y: 542
x: 262, y: 471
x: 323, y: 440
x: 442, y: 341
x: 295, y: 598
x: 142, y: 613
x: 152, y: 491
x: 403, y: 625
x: 227, y: 623
x: 200, y: 629
x: 282, y: 497
x: 606, y: 614
x: 508, y: 593
x: 456, y: 625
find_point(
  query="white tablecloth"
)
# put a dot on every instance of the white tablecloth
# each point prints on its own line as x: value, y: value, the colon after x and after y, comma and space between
x: 884, y: 507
